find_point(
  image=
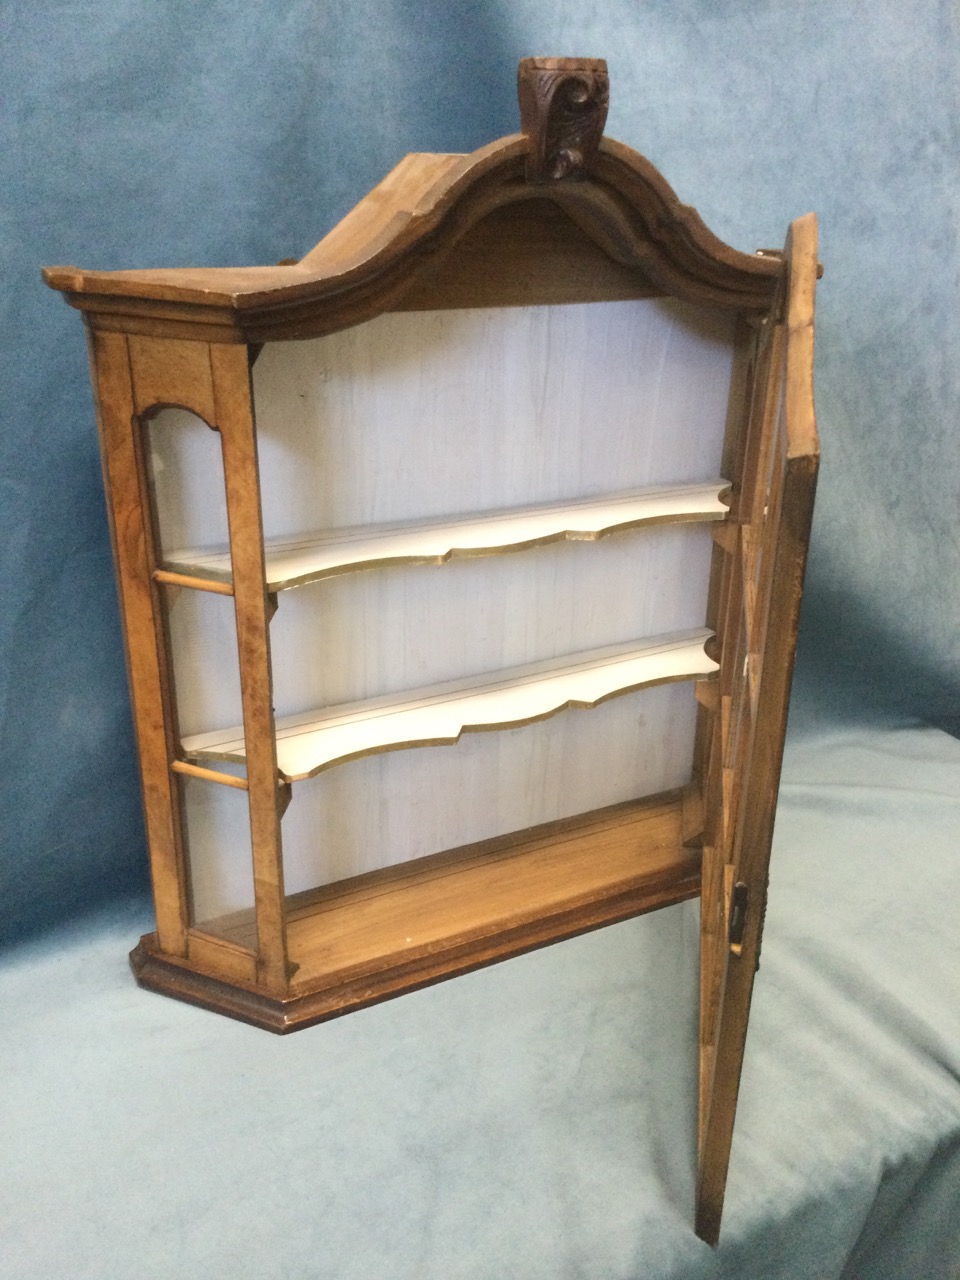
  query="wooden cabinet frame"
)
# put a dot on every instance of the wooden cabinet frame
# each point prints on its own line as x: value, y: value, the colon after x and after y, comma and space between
x: 551, y: 216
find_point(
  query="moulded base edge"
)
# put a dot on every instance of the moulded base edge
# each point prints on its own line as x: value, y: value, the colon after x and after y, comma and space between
x: 174, y: 977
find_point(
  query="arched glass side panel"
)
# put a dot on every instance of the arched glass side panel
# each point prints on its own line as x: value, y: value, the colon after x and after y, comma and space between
x: 185, y: 470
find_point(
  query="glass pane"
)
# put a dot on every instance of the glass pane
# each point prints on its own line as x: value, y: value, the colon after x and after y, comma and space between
x: 219, y: 858
x: 185, y: 467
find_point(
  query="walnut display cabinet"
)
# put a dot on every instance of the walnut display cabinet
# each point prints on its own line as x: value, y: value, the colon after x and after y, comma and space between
x: 519, y: 447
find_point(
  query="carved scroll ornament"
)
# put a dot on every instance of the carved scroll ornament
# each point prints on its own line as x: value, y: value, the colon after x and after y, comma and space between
x: 563, y: 110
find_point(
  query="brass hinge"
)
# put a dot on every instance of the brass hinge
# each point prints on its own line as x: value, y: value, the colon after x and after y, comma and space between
x: 739, y: 896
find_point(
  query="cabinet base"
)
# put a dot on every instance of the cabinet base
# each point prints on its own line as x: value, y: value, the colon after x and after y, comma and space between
x: 157, y: 972
x: 358, y: 942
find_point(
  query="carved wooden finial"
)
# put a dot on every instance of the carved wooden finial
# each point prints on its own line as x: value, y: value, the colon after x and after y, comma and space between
x: 563, y: 108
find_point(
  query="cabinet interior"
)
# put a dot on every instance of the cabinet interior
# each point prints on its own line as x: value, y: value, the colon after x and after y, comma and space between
x: 536, y: 484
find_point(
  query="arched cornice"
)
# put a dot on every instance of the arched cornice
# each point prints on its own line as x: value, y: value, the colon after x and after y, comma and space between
x: 406, y: 228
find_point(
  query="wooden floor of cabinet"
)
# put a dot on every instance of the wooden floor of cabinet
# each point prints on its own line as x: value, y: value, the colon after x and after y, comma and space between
x: 363, y: 940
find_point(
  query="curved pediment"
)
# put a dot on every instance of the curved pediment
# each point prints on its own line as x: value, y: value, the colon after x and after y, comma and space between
x: 554, y: 214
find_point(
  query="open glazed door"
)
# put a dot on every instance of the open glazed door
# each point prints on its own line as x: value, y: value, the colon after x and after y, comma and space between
x: 758, y: 584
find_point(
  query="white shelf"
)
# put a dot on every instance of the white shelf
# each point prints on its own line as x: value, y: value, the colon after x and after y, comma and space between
x: 291, y: 564
x: 439, y: 714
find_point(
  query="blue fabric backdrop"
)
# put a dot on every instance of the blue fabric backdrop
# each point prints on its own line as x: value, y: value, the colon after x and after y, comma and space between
x: 535, y: 1119
x: 175, y: 133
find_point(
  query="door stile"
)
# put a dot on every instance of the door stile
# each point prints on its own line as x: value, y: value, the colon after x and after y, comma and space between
x: 752, y: 357
x: 781, y: 533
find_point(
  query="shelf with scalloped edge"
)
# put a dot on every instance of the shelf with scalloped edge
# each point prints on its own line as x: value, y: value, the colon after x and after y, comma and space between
x: 438, y: 715
x: 308, y: 559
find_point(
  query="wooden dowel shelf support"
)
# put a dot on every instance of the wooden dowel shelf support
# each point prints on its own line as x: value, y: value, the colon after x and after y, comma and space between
x: 196, y: 582
x: 209, y: 775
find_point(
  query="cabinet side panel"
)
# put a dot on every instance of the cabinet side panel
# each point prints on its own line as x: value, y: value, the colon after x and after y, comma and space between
x: 217, y: 822
x: 125, y: 478
x: 202, y: 633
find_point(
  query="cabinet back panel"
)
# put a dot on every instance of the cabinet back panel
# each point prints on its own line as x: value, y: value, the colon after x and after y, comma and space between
x: 386, y: 630
x: 390, y: 808
x: 423, y: 414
